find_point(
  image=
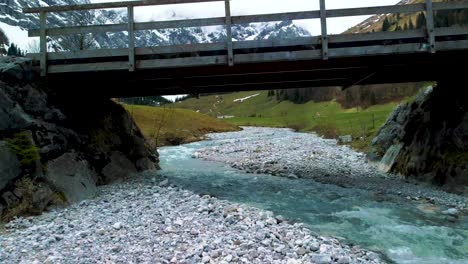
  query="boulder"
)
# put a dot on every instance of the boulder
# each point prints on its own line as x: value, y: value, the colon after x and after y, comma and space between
x: 41, y: 198
x: 119, y: 167
x: 53, y: 140
x: 390, y: 133
x: 72, y: 176
x: 345, y: 139
x: 145, y: 164
x: 34, y: 100
x: 10, y: 199
x: 12, y: 115
x: 54, y: 115
x: 387, y: 162
x: 16, y: 69
x: 10, y: 167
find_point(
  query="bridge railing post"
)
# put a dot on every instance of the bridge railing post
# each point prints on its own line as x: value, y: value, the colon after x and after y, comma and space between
x: 430, y: 26
x: 227, y: 6
x: 131, y: 38
x: 43, y: 42
x: 324, y: 34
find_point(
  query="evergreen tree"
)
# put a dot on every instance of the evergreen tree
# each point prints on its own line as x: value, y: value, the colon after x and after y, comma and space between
x: 386, y: 24
x: 13, y: 50
x: 421, y: 21
x: 410, y: 25
x: 3, y: 42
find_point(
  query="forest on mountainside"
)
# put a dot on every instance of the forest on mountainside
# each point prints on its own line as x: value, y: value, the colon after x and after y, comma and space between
x: 3, y: 42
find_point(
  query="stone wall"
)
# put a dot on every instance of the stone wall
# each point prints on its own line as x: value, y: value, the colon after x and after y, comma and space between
x: 428, y: 139
x: 56, y: 147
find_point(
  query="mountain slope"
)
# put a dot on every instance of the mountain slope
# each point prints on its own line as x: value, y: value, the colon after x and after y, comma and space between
x: 394, y: 22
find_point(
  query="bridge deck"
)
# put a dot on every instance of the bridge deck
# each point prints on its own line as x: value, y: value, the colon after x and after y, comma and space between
x: 309, y: 52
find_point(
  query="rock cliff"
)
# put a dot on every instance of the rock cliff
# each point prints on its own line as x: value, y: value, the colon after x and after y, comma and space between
x: 56, y: 148
x: 428, y: 139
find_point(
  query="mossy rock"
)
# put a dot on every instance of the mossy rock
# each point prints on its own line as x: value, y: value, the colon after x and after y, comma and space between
x: 27, y: 153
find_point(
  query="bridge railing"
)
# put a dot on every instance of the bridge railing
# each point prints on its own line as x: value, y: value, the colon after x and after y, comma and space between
x: 321, y: 44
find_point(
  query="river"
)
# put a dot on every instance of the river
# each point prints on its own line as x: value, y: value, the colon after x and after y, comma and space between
x: 404, y: 232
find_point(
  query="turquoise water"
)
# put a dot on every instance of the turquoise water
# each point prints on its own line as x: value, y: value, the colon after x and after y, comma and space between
x: 403, y: 232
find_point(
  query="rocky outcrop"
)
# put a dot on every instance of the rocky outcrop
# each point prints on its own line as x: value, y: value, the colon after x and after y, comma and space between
x: 10, y: 166
x: 428, y: 139
x: 57, y: 147
x: 72, y: 176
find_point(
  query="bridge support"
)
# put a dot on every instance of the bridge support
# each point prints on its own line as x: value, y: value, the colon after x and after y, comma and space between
x: 430, y: 26
x: 43, y: 43
x: 131, y: 39
x: 323, y: 23
x: 230, y: 51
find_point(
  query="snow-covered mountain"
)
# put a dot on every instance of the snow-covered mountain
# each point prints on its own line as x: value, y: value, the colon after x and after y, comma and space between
x: 15, y: 24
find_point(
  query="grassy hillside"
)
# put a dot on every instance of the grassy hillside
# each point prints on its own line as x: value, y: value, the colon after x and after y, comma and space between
x: 402, y: 21
x: 172, y: 126
x: 326, y: 118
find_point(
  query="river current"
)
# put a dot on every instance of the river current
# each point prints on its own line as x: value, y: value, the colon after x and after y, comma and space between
x: 403, y: 232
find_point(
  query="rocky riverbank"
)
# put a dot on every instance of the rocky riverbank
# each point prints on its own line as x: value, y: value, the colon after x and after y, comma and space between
x: 424, y: 143
x: 147, y: 221
x: 284, y: 153
x: 58, y: 144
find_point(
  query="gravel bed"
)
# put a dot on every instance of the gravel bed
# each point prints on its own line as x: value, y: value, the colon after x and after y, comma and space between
x: 141, y: 222
x: 283, y: 152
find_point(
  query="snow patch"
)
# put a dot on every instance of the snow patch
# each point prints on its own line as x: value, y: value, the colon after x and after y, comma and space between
x: 16, y: 35
x: 245, y: 98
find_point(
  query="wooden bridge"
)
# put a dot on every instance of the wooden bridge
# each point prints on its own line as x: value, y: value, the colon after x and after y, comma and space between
x: 327, y: 60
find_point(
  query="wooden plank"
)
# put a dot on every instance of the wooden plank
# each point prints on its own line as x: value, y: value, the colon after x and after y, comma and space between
x: 43, y: 43
x: 272, y: 43
x: 89, y: 67
x: 452, y: 45
x: 120, y: 4
x: 450, y: 5
x: 430, y: 26
x: 81, y: 30
x: 203, y: 22
x: 376, y: 50
x: 324, y: 34
x: 376, y: 36
x: 82, y: 54
x: 227, y: 8
x: 124, y: 27
x: 183, y: 62
x: 131, y: 39
x: 413, y: 8
x: 451, y: 31
x: 288, y: 83
x: 275, y: 17
x: 186, y: 48
x: 122, y: 52
x: 363, y: 11
x: 259, y: 57
x: 278, y: 56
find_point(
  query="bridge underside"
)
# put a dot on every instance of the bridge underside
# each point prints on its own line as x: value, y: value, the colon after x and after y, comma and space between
x: 344, y: 72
